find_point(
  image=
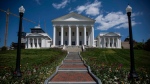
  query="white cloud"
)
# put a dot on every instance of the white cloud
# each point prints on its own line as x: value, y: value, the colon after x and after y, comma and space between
x: 126, y: 25
x: 90, y: 9
x: 38, y: 2
x: 136, y: 14
x: 113, y: 19
x: 61, y: 5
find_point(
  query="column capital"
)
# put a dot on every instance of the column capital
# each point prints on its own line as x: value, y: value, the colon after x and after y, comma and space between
x: 77, y: 25
x: 54, y: 25
x: 91, y: 25
x: 84, y: 25
x: 61, y: 25
x: 69, y: 25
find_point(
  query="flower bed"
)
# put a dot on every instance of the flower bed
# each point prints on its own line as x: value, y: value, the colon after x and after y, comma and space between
x: 36, y: 65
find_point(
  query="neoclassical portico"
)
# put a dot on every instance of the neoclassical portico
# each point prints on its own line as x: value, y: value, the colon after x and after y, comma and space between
x: 37, y: 38
x: 109, y: 40
x: 73, y: 29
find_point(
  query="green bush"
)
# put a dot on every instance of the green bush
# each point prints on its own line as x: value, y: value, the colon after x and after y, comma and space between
x: 139, y: 46
x: 4, y: 48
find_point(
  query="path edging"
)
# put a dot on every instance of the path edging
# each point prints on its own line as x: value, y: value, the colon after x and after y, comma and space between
x: 46, y: 81
x: 89, y: 70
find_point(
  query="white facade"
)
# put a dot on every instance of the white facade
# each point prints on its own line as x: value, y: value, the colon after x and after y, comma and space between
x: 109, y: 40
x: 73, y: 29
x: 37, y: 40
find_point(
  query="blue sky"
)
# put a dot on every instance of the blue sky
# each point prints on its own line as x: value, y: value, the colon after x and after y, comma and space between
x: 110, y: 16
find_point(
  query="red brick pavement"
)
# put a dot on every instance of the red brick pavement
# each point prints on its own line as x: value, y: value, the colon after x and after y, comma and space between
x: 72, y: 66
x: 74, y: 63
x: 72, y: 76
x: 70, y: 61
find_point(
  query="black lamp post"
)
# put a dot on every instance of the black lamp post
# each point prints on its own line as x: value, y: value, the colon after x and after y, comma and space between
x: 17, y: 72
x: 132, y: 73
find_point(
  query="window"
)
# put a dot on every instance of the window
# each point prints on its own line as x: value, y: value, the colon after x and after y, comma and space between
x: 31, y: 44
x: 110, y: 44
x: 86, y: 42
x: 39, y: 44
x: 66, y: 33
x: 80, y: 42
x: 35, y: 44
x: 72, y: 33
x: 59, y: 33
x: 114, y: 44
x: 66, y: 43
x: 73, y: 42
x: 80, y: 34
x: 86, y: 33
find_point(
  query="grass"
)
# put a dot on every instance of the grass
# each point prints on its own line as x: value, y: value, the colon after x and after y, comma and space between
x: 36, y: 65
x: 109, y: 64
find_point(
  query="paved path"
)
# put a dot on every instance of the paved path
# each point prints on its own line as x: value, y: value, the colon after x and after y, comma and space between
x: 72, y: 71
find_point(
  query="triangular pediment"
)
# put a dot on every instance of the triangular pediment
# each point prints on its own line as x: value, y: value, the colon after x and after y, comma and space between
x: 111, y: 34
x: 73, y: 17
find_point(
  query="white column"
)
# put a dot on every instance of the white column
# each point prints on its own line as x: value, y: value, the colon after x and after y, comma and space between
x: 84, y: 35
x: 54, y: 33
x: 69, y: 39
x: 41, y: 42
x: 33, y: 42
x: 113, y: 43
x: 28, y: 43
x: 37, y: 43
x: 92, y: 35
x: 118, y: 42
x: 45, y: 43
x: 104, y: 43
x: 99, y: 42
x: 62, y: 33
x: 77, y: 36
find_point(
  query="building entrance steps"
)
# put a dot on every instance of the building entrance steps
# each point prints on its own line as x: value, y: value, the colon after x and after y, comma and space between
x: 73, y: 70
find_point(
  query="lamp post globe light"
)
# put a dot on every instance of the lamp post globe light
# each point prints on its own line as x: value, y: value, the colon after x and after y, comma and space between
x: 132, y: 73
x: 17, y: 72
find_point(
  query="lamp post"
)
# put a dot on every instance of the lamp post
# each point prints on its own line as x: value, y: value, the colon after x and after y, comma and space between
x: 17, y: 70
x: 132, y: 73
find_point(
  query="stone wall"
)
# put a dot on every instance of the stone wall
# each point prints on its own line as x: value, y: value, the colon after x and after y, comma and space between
x: 125, y: 45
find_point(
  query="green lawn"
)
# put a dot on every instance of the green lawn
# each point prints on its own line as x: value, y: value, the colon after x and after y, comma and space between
x: 105, y: 62
x: 36, y: 64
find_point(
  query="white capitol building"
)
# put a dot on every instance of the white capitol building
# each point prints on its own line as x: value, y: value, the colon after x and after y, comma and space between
x: 73, y: 30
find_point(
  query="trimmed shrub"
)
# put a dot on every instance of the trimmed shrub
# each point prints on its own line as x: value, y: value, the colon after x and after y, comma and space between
x: 4, y: 48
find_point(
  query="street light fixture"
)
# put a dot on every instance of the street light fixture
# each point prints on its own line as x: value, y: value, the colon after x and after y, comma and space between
x: 132, y: 73
x: 17, y: 72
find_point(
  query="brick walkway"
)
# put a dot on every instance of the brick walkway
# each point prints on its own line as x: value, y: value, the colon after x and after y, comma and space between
x: 72, y: 71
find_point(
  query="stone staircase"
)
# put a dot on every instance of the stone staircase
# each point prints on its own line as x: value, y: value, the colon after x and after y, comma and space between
x: 73, y: 70
x: 73, y: 48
